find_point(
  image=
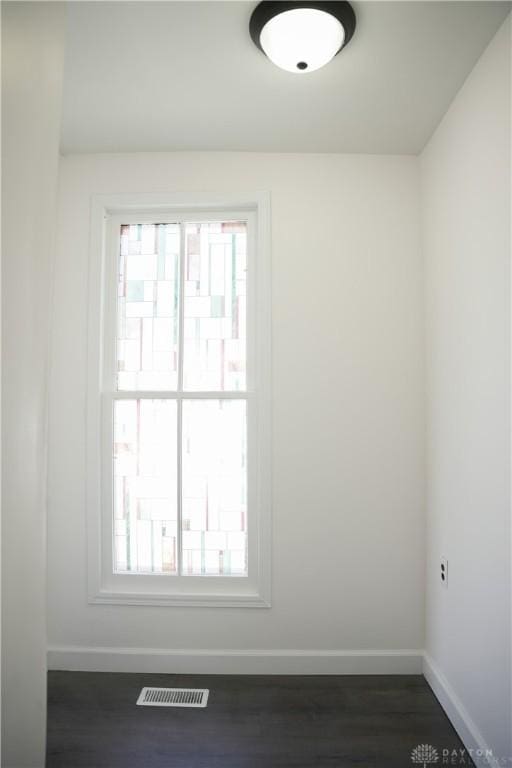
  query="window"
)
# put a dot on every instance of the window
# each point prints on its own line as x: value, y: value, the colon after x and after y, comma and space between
x: 179, y: 498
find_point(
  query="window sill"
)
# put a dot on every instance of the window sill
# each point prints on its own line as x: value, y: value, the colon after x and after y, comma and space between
x: 184, y: 600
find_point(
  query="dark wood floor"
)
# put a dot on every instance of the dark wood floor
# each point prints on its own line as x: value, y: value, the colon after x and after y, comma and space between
x: 250, y: 722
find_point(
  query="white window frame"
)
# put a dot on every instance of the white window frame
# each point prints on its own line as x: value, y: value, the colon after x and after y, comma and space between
x: 105, y: 586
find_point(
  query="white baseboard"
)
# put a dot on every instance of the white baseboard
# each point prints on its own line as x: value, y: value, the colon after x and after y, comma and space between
x: 468, y: 732
x: 270, y: 662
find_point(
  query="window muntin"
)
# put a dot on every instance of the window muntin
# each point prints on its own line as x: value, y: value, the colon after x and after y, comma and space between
x: 180, y: 465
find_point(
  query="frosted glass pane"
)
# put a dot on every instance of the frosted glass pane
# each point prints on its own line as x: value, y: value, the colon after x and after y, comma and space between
x: 214, y: 488
x: 215, y: 306
x: 145, y: 487
x: 147, y: 307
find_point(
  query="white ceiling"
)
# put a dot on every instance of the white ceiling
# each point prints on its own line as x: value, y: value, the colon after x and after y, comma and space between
x: 155, y: 76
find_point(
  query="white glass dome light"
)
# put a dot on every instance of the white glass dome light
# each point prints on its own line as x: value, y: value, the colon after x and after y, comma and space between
x: 302, y: 40
x: 301, y: 37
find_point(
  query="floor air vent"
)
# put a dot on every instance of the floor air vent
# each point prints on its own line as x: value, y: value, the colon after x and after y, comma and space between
x: 173, y: 697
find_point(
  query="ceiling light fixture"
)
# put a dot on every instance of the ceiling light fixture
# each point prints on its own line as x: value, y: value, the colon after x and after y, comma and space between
x: 302, y: 36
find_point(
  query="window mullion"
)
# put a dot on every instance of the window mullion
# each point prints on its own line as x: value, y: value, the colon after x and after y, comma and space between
x: 179, y: 402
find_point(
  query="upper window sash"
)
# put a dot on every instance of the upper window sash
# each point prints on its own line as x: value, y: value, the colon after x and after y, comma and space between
x: 114, y: 222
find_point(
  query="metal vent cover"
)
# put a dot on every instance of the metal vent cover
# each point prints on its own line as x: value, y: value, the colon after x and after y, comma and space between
x: 173, y: 697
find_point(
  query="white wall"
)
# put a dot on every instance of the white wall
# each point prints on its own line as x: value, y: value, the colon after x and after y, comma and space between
x: 466, y: 228
x: 32, y: 65
x: 348, y: 409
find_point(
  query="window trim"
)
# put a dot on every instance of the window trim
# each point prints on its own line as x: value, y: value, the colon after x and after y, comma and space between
x: 105, y: 587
